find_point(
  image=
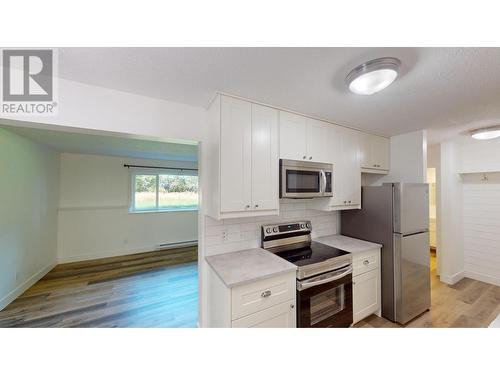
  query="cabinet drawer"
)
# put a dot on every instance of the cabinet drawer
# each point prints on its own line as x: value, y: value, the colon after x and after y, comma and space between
x: 366, y: 261
x: 278, y: 316
x: 260, y: 295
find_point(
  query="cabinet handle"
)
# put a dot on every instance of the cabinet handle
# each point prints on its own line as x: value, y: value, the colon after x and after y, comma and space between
x: 256, y: 206
x: 310, y: 157
x: 266, y: 294
x: 304, y: 157
x: 345, y: 202
x: 374, y: 165
x: 349, y: 201
x: 354, y: 283
x: 292, y: 306
x: 366, y: 262
x: 247, y: 206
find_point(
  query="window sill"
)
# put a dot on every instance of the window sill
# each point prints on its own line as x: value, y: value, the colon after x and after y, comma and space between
x: 162, y: 211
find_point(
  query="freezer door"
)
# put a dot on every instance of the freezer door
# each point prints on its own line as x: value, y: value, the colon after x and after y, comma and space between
x: 412, y: 276
x: 411, y: 208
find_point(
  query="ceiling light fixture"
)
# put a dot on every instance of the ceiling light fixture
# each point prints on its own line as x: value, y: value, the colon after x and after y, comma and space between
x: 486, y: 133
x: 373, y: 76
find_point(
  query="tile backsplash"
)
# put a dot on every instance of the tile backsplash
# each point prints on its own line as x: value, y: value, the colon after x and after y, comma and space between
x: 228, y: 235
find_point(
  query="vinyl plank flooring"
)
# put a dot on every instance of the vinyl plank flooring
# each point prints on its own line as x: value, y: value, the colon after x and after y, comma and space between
x: 468, y: 303
x: 155, y: 289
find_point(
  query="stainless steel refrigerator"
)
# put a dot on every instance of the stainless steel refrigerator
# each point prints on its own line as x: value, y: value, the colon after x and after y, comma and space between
x: 396, y: 215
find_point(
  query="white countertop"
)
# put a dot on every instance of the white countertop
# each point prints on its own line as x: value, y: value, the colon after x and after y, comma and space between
x: 349, y: 244
x: 246, y: 266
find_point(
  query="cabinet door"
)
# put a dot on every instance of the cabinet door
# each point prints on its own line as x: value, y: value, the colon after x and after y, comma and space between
x: 365, y: 151
x: 352, y: 171
x: 235, y: 155
x: 365, y: 295
x: 317, y: 141
x: 346, y: 171
x: 381, y: 152
x: 265, y: 158
x: 335, y: 154
x: 279, y: 316
x: 292, y: 136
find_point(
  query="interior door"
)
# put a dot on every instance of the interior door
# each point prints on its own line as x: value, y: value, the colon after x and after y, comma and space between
x: 265, y: 163
x: 236, y: 153
x: 292, y: 136
x: 412, y: 276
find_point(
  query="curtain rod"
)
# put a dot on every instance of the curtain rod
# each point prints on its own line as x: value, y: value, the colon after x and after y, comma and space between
x: 151, y: 167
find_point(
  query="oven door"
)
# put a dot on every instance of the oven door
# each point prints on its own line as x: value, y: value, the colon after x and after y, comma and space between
x: 325, y: 300
x: 304, y: 179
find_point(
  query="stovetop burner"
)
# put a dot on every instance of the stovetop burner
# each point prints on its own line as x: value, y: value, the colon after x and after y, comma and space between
x: 292, y: 242
x: 315, y: 253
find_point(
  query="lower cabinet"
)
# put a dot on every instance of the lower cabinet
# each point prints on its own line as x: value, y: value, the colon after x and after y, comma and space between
x: 366, y: 285
x: 266, y: 303
x: 279, y: 316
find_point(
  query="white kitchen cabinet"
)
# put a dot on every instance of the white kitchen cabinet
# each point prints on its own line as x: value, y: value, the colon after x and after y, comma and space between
x: 293, y: 135
x: 268, y: 302
x: 236, y: 153
x: 265, y: 163
x: 366, y: 291
x: 279, y: 316
x: 317, y: 141
x: 303, y: 138
x: 243, y: 163
x: 343, y: 151
x: 374, y: 154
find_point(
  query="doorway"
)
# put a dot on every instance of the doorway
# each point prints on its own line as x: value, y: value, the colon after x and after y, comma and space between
x: 107, y: 228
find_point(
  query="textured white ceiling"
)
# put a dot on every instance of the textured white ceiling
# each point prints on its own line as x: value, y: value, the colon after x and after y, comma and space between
x: 446, y: 90
x: 108, y: 145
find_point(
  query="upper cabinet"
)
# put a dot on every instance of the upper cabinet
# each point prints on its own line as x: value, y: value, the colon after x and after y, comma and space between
x: 302, y: 138
x: 243, y: 165
x: 375, y: 153
x: 343, y: 151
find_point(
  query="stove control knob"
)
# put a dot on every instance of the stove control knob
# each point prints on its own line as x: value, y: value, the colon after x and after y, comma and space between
x: 275, y: 229
x: 308, y: 225
x: 268, y: 230
x: 302, y: 226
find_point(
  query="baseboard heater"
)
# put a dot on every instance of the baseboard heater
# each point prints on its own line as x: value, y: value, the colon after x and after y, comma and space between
x: 177, y: 245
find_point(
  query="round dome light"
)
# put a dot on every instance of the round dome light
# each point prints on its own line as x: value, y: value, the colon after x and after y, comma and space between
x: 486, y: 133
x: 373, y: 76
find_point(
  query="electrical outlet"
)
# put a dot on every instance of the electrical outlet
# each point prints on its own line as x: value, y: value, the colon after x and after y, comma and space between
x: 224, y: 235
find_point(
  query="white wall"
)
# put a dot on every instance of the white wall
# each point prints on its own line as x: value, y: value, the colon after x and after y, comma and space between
x: 450, y: 237
x: 94, y: 218
x: 29, y: 175
x: 481, y: 208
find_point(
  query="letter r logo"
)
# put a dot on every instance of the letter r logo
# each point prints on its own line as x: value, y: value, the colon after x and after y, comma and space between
x: 27, y: 75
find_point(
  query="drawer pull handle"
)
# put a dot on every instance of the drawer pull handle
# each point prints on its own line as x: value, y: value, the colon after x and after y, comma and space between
x: 266, y: 294
x: 366, y: 262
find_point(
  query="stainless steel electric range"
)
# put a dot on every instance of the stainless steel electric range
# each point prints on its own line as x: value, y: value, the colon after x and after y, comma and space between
x: 324, y: 274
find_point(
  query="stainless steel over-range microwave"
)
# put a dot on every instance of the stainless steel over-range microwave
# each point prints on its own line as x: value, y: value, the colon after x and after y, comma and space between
x: 305, y: 179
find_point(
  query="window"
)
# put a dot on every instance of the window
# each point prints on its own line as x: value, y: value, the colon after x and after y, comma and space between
x: 163, y: 192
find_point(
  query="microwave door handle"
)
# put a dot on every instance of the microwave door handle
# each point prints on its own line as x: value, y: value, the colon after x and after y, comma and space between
x: 309, y: 284
x: 323, y: 178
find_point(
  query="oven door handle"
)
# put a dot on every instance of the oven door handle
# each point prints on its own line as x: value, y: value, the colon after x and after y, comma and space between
x: 301, y: 285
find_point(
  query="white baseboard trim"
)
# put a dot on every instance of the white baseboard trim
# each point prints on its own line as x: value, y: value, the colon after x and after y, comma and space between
x: 4, y: 301
x: 120, y: 252
x: 452, y: 279
x: 482, y: 277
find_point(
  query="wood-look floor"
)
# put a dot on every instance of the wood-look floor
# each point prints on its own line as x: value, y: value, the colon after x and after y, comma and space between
x: 156, y: 289
x: 468, y: 303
